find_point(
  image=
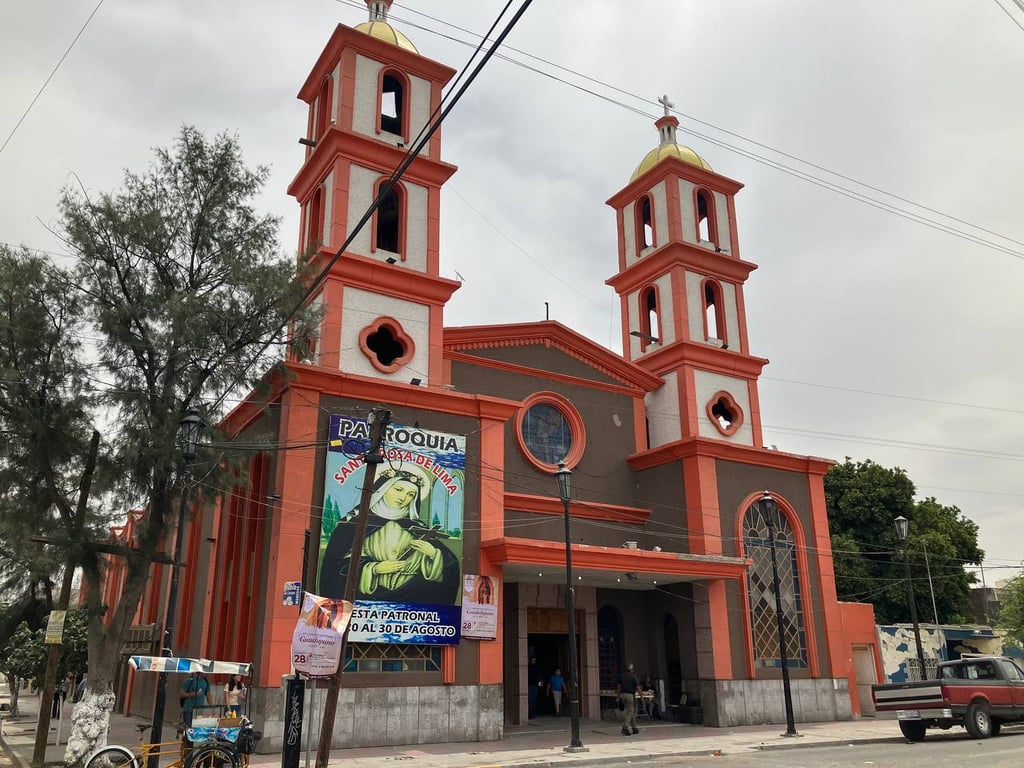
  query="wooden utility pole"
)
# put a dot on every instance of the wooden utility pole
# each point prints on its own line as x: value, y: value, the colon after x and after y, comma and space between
x: 379, y: 418
x: 53, y: 657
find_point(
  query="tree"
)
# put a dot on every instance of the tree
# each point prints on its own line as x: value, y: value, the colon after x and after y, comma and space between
x: 22, y: 658
x: 1011, y: 614
x: 44, y: 419
x: 863, y: 500
x: 190, y: 300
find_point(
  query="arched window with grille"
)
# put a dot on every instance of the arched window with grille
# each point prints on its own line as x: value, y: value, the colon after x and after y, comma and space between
x: 763, y: 524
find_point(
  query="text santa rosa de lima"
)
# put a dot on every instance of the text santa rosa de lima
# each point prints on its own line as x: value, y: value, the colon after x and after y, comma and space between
x: 396, y: 438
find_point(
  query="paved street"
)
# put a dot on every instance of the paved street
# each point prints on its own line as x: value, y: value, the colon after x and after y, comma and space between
x: 952, y: 750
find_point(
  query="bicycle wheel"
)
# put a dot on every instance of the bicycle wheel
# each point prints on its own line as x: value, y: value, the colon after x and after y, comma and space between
x: 112, y: 757
x: 212, y: 756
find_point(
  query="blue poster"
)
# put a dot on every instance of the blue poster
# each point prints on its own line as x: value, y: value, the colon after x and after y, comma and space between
x: 410, y: 575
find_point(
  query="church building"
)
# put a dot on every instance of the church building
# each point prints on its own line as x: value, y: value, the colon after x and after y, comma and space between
x: 675, y: 500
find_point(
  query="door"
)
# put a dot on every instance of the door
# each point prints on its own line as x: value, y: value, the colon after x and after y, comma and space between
x: 864, y: 671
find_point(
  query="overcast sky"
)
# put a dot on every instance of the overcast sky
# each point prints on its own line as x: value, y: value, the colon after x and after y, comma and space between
x: 888, y: 338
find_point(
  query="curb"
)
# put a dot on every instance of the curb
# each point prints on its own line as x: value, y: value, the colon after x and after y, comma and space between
x: 13, y: 756
x: 833, y: 743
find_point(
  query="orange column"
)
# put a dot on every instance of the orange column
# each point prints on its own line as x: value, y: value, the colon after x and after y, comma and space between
x: 492, y: 526
x: 839, y: 649
x: 711, y: 620
x: 290, y: 518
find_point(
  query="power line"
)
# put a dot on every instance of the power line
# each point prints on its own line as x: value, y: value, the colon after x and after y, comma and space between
x: 1003, y: 8
x: 49, y: 78
x: 823, y: 183
x: 433, y: 124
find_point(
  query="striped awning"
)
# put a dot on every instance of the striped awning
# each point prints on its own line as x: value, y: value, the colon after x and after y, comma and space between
x: 172, y: 664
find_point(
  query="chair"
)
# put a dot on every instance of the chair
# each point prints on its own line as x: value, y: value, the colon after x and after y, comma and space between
x: 645, y: 705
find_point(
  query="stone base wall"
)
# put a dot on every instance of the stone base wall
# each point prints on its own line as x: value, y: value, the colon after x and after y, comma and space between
x: 727, y: 703
x: 373, y: 717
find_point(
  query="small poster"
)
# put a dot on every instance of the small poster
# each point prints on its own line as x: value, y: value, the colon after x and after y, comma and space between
x: 480, y: 607
x: 55, y: 628
x: 316, y: 641
x: 292, y: 593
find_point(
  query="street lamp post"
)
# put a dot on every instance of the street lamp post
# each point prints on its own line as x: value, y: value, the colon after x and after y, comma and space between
x: 902, y: 529
x: 770, y: 510
x: 191, y: 424
x: 564, y: 477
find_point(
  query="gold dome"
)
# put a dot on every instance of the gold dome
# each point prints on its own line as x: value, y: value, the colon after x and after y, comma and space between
x: 663, y: 151
x: 384, y: 31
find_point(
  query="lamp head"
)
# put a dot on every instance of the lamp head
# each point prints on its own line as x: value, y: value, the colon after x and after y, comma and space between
x: 190, y: 425
x: 564, y: 477
x: 902, y: 527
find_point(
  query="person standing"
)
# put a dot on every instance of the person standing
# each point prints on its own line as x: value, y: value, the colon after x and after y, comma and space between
x: 193, y: 694
x: 535, y: 684
x: 556, y: 685
x: 234, y: 695
x: 627, y: 695
x: 60, y: 695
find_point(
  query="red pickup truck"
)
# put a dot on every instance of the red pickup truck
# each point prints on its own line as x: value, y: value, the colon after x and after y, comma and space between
x: 978, y: 692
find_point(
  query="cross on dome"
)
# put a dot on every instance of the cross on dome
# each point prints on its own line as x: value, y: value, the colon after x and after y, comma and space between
x: 667, y: 123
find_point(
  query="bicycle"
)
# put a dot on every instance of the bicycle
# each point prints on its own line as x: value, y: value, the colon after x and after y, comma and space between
x: 206, y: 754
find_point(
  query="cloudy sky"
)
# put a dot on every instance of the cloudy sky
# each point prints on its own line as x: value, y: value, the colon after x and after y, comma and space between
x: 889, y: 338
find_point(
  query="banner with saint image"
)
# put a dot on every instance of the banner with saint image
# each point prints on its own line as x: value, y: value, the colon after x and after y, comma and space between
x: 410, y: 584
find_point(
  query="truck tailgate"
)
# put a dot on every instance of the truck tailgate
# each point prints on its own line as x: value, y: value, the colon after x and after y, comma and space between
x: 918, y: 695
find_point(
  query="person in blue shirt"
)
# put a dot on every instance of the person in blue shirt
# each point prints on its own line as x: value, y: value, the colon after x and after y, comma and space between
x: 193, y: 694
x: 556, y: 685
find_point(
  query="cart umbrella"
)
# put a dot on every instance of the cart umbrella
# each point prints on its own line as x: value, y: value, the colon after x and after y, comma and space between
x: 173, y: 664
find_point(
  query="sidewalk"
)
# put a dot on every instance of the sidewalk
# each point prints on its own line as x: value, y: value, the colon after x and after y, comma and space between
x: 540, y: 743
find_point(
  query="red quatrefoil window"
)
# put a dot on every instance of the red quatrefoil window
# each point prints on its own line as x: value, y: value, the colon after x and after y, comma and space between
x: 386, y: 345
x: 724, y: 413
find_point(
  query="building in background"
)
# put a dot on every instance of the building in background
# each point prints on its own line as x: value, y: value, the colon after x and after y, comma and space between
x: 670, y: 543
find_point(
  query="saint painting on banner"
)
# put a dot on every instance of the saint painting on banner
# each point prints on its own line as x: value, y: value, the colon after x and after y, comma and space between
x: 412, y: 553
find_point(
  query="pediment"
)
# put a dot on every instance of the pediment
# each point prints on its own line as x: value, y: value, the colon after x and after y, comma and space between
x: 487, y: 341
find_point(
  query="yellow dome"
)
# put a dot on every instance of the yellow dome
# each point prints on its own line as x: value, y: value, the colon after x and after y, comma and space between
x: 663, y: 151
x: 384, y: 31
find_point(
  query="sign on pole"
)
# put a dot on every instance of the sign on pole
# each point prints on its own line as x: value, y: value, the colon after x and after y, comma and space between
x: 55, y: 628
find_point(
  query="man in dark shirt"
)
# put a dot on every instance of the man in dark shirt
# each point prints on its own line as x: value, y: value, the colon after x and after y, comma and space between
x: 627, y: 695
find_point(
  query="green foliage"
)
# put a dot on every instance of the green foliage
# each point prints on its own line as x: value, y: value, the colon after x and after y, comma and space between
x: 863, y: 500
x: 44, y: 416
x: 1011, y: 615
x: 24, y: 655
x: 188, y: 291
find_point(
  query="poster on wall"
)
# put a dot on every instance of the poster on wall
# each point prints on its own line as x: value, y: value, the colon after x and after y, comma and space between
x: 410, y: 581
x: 316, y: 641
x: 480, y: 607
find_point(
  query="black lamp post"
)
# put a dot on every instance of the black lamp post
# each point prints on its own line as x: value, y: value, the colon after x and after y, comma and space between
x: 770, y: 510
x: 902, y: 529
x: 190, y: 427
x: 564, y: 477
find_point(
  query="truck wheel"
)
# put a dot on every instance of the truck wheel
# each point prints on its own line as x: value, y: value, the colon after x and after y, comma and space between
x: 914, y: 730
x: 978, y: 721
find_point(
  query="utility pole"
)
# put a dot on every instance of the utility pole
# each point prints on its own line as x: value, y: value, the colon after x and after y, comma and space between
x: 931, y: 587
x: 379, y: 418
x: 53, y: 657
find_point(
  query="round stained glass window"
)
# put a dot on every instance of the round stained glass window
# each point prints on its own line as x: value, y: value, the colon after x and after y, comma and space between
x: 550, y: 431
x: 547, y: 434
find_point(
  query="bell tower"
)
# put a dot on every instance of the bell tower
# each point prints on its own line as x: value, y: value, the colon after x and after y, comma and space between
x: 680, y: 282
x: 370, y: 94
